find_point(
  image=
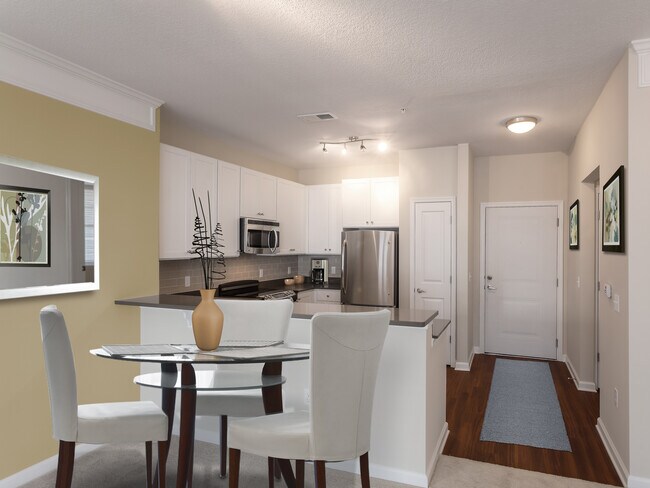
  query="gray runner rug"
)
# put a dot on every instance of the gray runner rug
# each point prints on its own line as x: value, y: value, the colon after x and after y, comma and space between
x: 523, y: 407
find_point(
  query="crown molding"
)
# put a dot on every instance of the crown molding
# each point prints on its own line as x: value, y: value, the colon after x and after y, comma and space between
x: 36, y: 70
x: 642, y: 49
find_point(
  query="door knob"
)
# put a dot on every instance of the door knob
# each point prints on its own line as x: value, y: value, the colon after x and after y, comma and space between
x: 420, y: 290
x: 490, y: 287
x: 489, y: 277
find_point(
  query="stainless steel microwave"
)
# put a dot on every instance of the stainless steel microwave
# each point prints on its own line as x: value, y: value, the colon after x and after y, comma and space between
x: 259, y: 236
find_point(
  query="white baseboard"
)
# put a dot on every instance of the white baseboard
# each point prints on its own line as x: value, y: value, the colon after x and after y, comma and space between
x: 619, y: 465
x: 48, y: 465
x: 589, y: 386
x: 638, y: 482
x: 384, y: 473
x: 440, y: 445
x: 462, y: 366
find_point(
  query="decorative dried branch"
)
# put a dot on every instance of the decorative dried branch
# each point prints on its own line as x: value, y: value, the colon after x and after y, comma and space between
x: 207, y: 244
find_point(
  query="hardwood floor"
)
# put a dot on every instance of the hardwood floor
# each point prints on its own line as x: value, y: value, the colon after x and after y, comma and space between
x: 467, y: 397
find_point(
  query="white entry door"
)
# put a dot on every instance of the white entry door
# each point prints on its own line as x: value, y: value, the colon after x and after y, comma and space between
x: 521, y: 281
x: 432, y: 259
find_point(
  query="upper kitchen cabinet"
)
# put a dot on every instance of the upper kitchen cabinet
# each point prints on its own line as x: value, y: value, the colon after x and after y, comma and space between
x: 292, y: 215
x: 229, y: 179
x: 324, y: 219
x: 181, y: 172
x: 258, y: 195
x: 370, y: 202
x: 174, y: 211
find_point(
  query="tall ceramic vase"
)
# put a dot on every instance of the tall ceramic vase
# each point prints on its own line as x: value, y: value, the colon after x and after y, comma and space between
x: 207, y: 322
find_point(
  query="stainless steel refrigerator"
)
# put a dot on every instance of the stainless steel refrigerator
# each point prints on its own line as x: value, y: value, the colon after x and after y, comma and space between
x: 369, y: 267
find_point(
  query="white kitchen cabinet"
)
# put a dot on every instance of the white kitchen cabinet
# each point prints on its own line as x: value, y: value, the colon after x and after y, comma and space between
x: 324, y: 219
x: 203, y: 182
x: 228, y: 206
x: 292, y: 215
x: 174, y: 203
x: 370, y: 202
x: 305, y: 296
x: 327, y: 296
x: 258, y: 195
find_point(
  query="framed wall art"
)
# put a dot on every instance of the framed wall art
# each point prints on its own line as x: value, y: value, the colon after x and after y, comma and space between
x: 574, y: 225
x: 24, y: 226
x: 614, y: 213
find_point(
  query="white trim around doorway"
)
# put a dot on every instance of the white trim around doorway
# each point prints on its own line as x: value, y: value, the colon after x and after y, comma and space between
x: 560, y: 268
x: 452, y: 201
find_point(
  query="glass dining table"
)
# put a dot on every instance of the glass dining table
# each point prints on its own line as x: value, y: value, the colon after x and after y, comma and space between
x: 177, y: 372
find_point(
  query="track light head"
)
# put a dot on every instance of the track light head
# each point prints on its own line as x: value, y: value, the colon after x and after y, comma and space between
x: 324, y: 148
x: 362, y: 147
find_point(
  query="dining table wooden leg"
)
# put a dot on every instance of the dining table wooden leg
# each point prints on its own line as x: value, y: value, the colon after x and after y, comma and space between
x: 272, y: 398
x: 168, y: 407
x: 188, y: 414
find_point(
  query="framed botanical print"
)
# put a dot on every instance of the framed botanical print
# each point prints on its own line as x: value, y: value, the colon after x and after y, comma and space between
x: 574, y: 225
x: 614, y: 213
x: 24, y: 226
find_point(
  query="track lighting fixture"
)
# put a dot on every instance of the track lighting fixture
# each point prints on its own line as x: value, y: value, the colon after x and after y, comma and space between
x: 353, y: 139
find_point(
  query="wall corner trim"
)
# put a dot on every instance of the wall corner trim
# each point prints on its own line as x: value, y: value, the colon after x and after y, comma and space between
x: 642, y: 49
x: 617, y: 461
x: 36, y: 70
x: 589, y: 386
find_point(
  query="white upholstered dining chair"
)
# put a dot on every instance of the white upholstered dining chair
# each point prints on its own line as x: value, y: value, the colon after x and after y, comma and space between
x: 244, y: 320
x: 99, y: 423
x: 345, y: 352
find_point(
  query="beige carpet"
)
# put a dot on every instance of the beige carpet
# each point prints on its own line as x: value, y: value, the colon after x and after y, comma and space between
x: 123, y: 466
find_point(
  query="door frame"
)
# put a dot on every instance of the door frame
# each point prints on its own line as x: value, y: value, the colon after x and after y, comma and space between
x: 452, y: 326
x: 559, y: 205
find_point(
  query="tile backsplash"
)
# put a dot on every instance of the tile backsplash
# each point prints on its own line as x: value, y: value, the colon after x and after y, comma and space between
x: 245, y: 267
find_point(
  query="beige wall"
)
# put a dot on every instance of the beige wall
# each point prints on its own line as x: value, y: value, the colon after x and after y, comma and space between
x: 513, y: 178
x: 125, y: 158
x: 602, y: 142
x: 638, y: 176
x: 464, y: 261
x: 384, y: 166
x: 191, y: 139
x: 430, y: 172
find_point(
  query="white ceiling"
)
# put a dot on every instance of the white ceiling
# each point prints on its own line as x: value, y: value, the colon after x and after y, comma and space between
x: 242, y: 70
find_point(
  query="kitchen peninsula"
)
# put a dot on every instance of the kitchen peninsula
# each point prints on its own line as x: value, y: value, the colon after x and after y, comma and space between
x: 409, y: 425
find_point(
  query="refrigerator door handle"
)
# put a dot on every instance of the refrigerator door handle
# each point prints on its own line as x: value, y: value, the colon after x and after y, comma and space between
x: 344, y: 267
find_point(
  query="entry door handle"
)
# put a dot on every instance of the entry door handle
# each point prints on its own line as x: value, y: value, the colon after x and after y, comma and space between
x: 420, y: 290
x: 490, y: 287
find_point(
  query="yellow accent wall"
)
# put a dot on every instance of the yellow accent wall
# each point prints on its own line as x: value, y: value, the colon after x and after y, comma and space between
x: 125, y: 158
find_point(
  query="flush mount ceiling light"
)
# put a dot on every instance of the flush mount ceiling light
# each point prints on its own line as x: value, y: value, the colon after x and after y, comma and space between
x: 353, y: 139
x: 521, y: 124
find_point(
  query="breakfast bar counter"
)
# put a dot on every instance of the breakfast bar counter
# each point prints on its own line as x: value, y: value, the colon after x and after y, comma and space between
x: 409, y: 425
x: 399, y: 316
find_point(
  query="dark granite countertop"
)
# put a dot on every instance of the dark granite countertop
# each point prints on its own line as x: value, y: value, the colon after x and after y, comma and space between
x: 399, y: 316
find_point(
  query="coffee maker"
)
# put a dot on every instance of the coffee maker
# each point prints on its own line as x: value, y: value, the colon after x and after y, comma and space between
x: 319, y: 271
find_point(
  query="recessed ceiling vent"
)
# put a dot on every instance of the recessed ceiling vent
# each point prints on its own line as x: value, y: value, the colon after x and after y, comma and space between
x: 311, y: 118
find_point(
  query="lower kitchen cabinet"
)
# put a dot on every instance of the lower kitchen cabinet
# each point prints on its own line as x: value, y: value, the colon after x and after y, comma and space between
x: 327, y: 296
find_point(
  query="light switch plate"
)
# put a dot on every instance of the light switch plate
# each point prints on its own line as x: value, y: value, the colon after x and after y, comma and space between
x: 617, y: 303
x: 608, y: 290
x: 333, y: 271
x: 261, y: 273
x: 187, y: 282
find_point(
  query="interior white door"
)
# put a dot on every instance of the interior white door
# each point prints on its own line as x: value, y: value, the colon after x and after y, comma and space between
x: 432, y: 263
x: 521, y: 281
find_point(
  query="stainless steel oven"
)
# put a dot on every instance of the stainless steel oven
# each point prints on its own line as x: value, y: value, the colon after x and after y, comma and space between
x: 259, y: 236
